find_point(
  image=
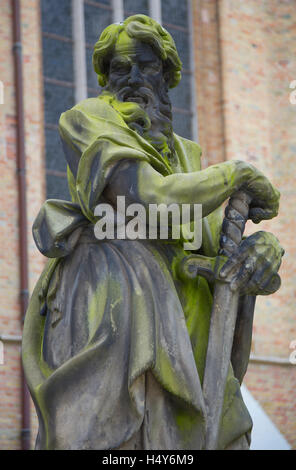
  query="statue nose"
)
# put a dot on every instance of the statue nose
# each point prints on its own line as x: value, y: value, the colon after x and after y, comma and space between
x: 135, y: 78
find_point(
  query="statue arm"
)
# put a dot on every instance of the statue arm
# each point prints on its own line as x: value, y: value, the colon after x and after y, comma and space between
x: 141, y: 183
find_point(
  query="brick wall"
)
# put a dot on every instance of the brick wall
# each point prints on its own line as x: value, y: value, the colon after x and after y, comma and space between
x: 248, y: 56
x: 258, y: 44
x: 274, y: 387
x: 10, y: 385
x: 208, y: 81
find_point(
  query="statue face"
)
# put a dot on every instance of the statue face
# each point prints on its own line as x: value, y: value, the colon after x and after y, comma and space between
x: 136, y: 72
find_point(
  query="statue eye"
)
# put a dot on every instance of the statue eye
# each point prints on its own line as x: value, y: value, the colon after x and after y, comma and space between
x: 120, y: 69
x: 150, y: 68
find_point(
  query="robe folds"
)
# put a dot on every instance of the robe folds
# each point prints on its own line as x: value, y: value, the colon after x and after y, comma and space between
x: 114, y: 341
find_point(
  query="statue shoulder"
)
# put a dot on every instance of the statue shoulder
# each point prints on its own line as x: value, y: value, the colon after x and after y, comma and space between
x: 91, y: 108
x: 82, y: 124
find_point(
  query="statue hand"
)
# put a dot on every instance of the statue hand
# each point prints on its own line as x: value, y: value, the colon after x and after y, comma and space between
x: 255, y: 264
x: 265, y: 197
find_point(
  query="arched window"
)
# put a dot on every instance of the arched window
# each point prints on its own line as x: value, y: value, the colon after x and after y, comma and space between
x: 66, y: 51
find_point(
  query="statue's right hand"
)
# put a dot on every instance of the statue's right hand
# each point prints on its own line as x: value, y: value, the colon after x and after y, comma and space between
x: 265, y: 197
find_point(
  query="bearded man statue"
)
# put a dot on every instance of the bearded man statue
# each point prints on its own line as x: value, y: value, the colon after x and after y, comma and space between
x: 115, y: 340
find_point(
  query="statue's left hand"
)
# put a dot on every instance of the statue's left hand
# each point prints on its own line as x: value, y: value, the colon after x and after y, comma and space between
x: 254, y: 264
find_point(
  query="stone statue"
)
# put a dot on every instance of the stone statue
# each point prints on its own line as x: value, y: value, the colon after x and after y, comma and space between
x: 116, y: 335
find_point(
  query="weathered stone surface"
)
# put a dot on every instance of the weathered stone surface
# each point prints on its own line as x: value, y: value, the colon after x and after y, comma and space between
x: 115, y: 342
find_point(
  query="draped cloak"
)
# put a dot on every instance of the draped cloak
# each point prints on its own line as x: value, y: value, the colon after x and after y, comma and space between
x: 114, y: 341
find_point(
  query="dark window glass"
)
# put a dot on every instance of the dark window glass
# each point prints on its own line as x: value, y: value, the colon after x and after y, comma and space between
x: 55, y: 159
x: 92, y: 78
x: 56, y: 17
x: 57, y: 65
x: 182, y: 124
x: 174, y: 12
x: 182, y: 44
x: 57, y: 100
x: 105, y: 2
x: 57, y: 59
x: 57, y: 187
x: 180, y: 95
x: 96, y: 19
x: 132, y: 7
x: 91, y: 93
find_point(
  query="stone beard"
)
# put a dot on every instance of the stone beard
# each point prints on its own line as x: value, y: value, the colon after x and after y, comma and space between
x: 157, y: 105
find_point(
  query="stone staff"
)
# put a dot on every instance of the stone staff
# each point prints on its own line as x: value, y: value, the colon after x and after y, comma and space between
x: 224, y: 310
x: 223, y: 319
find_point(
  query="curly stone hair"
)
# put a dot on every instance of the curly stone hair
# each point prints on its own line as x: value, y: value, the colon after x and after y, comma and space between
x: 147, y: 30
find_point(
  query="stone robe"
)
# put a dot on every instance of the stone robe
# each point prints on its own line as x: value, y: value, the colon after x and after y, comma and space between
x: 114, y: 340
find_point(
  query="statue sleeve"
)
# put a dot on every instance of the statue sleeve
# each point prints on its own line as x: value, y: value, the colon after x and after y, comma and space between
x: 209, y: 187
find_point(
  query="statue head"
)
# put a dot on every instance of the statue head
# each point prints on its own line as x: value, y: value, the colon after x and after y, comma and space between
x: 137, y: 62
x: 137, y: 29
